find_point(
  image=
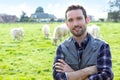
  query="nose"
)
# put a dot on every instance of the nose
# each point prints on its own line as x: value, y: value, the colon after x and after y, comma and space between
x: 75, y: 23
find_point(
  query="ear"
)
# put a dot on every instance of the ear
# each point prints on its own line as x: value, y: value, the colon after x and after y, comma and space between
x: 87, y: 19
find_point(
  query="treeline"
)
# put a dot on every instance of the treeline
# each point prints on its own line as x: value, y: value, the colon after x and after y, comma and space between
x: 114, y: 11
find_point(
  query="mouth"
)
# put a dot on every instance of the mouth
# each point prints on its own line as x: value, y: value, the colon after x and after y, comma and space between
x: 77, y: 29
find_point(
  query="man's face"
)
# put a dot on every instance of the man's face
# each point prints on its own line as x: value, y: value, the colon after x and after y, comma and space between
x: 76, y: 22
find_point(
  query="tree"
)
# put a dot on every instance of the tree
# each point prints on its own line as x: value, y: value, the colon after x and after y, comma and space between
x: 24, y: 18
x: 113, y: 16
x: 114, y: 11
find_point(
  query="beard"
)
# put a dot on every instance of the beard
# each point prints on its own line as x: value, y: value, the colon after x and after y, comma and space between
x: 78, y: 31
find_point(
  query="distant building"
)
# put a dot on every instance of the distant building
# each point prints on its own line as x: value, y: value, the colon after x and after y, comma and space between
x: 7, y: 18
x: 39, y: 15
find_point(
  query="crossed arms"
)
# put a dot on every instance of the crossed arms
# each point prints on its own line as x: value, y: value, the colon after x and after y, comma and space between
x: 103, y: 69
x: 82, y: 74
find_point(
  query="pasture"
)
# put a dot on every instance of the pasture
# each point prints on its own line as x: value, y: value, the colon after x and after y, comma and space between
x: 32, y: 58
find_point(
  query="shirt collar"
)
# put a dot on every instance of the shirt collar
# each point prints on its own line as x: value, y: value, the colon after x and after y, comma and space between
x: 83, y: 43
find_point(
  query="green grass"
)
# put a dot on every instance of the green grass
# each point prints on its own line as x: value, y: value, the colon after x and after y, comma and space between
x: 32, y: 58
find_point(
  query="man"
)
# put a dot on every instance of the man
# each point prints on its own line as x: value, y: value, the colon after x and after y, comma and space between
x: 81, y: 57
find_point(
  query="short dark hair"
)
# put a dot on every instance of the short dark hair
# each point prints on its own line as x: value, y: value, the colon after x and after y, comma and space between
x: 74, y: 7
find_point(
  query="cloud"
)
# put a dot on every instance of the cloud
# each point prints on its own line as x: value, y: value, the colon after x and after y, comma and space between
x: 55, y: 9
x: 17, y: 10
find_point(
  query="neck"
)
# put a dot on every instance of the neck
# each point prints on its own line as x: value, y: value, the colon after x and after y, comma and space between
x: 80, y: 38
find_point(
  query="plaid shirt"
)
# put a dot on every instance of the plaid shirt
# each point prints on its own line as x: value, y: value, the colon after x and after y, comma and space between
x: 104, y: 63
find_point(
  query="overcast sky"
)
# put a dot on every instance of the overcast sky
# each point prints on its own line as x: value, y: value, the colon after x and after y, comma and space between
x: 96, y: 8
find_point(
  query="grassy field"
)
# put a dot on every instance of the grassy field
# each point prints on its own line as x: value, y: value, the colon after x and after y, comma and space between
x: 32, y: 58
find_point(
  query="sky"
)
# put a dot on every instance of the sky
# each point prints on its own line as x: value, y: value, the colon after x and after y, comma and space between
x: 97, y: 8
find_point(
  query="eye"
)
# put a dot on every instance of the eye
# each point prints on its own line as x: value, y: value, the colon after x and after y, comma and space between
x: 70, y: 20
x: 79, y: 18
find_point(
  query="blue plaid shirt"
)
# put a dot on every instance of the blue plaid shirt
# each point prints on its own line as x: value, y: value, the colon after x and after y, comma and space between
x: 104, y: 63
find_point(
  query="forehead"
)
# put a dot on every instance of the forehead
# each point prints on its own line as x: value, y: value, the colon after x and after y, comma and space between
x: 74, y: 13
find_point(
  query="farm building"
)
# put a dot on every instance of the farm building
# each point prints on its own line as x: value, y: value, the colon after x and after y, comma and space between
x: 7, y: 18
x: 39, y: 15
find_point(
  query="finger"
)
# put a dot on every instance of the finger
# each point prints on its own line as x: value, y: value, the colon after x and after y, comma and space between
x: 58, y: 67
x: 59, y: 70
x: 59, y: 64
x: 62, y: 61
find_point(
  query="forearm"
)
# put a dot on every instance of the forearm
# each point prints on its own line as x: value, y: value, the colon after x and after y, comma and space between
x: 82, y: 74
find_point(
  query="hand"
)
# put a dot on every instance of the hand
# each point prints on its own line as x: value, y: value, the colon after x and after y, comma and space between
x: 62, y: 66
